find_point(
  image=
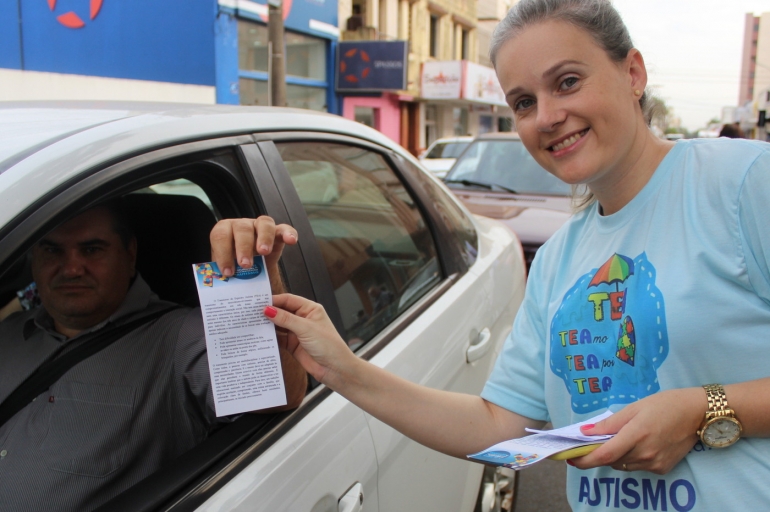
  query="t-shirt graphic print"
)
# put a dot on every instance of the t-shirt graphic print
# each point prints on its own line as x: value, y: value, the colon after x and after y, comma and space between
x: 608, y: 338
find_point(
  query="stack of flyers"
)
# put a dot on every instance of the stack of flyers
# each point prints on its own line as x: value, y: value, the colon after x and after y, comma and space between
x: 542, y: 444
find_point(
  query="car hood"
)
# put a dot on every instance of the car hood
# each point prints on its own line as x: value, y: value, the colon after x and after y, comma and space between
x: 533, y: 218
x: 438, y: 164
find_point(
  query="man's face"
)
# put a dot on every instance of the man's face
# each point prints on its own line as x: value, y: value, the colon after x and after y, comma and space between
x: 83, y: 270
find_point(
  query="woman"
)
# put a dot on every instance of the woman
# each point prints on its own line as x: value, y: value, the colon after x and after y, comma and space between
x: 659, y: 286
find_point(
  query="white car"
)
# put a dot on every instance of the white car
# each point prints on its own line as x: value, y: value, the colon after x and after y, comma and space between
x: 367, y: 216
x: 441, y: 155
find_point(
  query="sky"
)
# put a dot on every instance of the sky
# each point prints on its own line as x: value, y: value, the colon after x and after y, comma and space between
x: 693, y: 51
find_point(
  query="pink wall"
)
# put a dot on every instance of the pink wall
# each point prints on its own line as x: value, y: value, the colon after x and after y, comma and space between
x: 389, y: 119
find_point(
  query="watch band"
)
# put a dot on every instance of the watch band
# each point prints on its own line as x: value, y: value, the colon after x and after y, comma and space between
x: 717, y: 402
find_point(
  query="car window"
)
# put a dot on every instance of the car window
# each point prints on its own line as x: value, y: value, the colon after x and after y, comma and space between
x: 506, y: 163
x: 181, y: 187
x: 447, y: 150
x: 464, y: 235
x: 375, y: 243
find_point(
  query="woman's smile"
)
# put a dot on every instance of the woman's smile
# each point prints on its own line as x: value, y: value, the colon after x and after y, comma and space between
x: 568, y: 144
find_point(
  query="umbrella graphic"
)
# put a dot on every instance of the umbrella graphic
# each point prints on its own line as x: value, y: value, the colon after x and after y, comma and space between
x: 616, y: 270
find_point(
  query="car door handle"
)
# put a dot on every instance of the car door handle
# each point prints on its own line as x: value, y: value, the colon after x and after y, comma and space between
x: 353, y: 500
x: 483, y: 343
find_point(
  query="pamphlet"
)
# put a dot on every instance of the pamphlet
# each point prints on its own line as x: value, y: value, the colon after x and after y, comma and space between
x: 244, y: 363
x: 525, y: 451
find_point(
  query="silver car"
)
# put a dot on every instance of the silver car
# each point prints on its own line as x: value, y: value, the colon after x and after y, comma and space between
x: 367, y: 216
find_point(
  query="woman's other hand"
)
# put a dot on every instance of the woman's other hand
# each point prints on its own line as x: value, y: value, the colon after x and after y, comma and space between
x: 653, y: 434
x: 313, y: 340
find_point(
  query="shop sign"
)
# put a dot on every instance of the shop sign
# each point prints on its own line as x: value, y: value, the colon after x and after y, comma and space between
x: 442, y: 80
x: 371, y: 66
x: 480, y: 84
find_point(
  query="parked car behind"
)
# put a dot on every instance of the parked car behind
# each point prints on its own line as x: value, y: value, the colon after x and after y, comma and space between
x: 497, y: 177
x: 370, y: 222
x: 440, y: 155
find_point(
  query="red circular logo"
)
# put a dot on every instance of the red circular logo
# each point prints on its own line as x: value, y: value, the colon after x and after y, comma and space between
x: 355, y: 59
x: 70, y: 19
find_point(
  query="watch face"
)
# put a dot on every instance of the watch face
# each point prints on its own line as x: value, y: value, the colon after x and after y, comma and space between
x: 721, y: 432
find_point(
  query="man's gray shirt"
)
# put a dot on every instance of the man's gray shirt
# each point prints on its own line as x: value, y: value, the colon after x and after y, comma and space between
x: 112, y: 419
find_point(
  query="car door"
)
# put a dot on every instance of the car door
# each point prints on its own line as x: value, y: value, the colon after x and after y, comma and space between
x: 318, y: 454
x: 443, y: 323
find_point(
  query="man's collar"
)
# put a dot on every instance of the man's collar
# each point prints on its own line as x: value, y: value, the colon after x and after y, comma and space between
x: 137, y: 299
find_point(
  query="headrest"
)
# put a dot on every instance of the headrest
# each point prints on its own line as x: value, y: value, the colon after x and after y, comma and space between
x: 172, y: 233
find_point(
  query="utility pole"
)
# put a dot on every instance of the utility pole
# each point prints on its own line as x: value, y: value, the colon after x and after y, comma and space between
x: 277, y: 64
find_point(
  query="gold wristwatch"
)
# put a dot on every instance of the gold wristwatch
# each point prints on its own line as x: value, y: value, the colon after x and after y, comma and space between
x: 720, y: 428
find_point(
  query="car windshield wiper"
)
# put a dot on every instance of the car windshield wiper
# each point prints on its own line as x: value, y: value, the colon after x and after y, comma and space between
x: 469, y: 183
x: 488, y: 186
x: 503, y: 187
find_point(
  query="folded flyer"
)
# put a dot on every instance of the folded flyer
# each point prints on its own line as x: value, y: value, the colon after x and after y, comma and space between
x: 542, y: 444
x: 244, y: 362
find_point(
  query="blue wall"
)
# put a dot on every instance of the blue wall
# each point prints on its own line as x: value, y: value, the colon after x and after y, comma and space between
x: 163, y: 40
x: 10, y: 53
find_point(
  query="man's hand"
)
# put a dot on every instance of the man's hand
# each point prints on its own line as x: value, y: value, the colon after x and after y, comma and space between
x: 242, y: 239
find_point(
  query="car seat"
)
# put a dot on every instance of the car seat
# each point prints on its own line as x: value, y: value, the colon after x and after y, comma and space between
x: 172, y: 233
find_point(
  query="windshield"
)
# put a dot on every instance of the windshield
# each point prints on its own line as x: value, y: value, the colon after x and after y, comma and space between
x: 508, y: 164
x: 447, y: 150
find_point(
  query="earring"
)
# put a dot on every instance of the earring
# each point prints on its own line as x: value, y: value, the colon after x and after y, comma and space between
x: 638, y: 92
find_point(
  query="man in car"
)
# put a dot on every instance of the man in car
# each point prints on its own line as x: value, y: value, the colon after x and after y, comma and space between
x: 125, y: 411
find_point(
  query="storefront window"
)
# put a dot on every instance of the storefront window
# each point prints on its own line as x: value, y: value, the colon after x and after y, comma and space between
x: 367, y: 116
x: 485, y: 124
x: 254, y: 92
x: 504, y: 124
x: 305, y: 55
x: 252, y: 46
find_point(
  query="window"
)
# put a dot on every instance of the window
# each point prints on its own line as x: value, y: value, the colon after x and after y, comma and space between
x: 456, y: 221
x: 485, y: 124
x: 367, y: 116
x: 433, y: 35
x: 377, y: 248
x: 464, y: 48
x: 254, y: 92
x: 305, y: 56
x: 252, y: 46
x: 305, y: 59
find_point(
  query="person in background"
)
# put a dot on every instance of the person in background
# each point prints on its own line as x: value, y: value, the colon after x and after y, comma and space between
x: 652, y: 301
x: 732, y: 131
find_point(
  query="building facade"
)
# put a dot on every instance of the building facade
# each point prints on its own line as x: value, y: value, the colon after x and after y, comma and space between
x: 446, y: 91
x: 754, y: 92
x: 206, y: 51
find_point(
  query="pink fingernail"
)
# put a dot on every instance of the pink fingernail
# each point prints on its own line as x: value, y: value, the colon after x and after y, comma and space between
x: 569, y: 461
x: 270, y: 312
x: 588, y: 426
x: 264, y: 248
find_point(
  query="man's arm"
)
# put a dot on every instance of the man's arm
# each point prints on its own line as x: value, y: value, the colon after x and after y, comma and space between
x: 241, y: 240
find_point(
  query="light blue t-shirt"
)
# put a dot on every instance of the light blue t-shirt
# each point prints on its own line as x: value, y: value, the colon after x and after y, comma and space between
x: 672, y: 291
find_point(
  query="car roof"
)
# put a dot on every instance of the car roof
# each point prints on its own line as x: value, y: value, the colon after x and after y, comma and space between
x: 449, y: 140
x: 499, y: 136
x: 44, y: 144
